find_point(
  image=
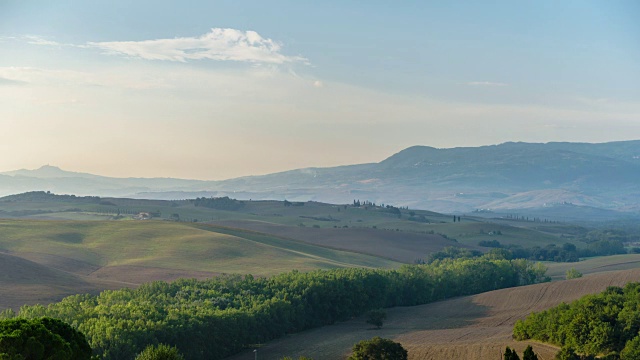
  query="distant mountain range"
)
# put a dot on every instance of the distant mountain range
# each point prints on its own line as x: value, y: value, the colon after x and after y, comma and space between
x: 508, y: 177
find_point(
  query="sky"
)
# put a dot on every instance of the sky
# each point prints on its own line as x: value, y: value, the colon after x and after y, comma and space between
x: 220, y: 89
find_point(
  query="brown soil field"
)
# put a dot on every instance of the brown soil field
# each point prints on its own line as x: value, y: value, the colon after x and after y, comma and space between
x: 471, y: 327
x: 399, y: 246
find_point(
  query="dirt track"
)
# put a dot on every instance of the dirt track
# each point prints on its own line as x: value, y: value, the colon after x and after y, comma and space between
x: 472, y: 327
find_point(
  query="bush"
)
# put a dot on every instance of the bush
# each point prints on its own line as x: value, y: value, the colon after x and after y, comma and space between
x: 573, y: 274
x: 378, y: 349
x: 160, y: 352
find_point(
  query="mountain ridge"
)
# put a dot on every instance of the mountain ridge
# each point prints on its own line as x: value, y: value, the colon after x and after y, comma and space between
x: 457, y: 179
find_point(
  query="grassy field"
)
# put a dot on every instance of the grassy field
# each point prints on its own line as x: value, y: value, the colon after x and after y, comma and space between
x: 172, y: 245
x: 474, y: 327
x: 94, y: 255
x: 468, y: 232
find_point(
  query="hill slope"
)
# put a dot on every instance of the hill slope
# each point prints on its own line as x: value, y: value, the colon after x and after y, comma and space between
x: 43, y: 261
x: 474, y: 327
x: 25, y: 282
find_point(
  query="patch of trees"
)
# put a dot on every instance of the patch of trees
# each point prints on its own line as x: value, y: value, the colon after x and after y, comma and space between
x: 418, y: 218
x: 452, y: 252
x: 393, y: 210
x: 511, y: 354
x: 365, y: 203
x: 219, y: 203
x: 490, y: 243
x: 606, y: 235
x: 605, y: 324
x: 295, y: 203
x: 47, y: 196
x: 566, y: 253
x: 215, y: 318
x: 41, y: 339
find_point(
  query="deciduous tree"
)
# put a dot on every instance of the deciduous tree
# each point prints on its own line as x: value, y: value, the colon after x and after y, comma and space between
x: 378, y: 349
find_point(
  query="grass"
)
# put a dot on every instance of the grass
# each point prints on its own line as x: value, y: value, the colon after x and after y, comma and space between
x: 173, y: 245
x: 312, y: 214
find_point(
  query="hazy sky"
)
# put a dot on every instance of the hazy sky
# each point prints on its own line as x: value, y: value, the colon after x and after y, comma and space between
x: 219, y: 89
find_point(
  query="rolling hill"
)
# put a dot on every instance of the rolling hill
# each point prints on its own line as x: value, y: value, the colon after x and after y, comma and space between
x: 25, y: 282
x: 43, y: 261
x: 509, y: 177
x: 92, y: 243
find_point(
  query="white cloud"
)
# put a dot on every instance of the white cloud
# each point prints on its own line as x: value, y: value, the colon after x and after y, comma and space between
x: 37, y: 40
x: 486, y: 83
x: 218, y: 44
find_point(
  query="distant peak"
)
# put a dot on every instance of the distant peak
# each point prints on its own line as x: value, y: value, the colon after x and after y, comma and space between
x: 49, y: 168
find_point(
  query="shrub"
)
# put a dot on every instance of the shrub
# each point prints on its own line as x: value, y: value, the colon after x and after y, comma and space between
x: 378, y: 349
x: 160, y: 352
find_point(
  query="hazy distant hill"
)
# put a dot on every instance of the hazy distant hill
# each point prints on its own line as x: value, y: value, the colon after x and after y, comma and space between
x: 503, y: 177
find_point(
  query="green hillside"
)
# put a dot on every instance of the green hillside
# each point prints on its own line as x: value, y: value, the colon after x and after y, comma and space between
x: 171, y: 245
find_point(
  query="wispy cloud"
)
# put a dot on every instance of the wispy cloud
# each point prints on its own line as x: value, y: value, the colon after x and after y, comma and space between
x: 218, y: 44
x: 37, y: 40
x: 486, y: 83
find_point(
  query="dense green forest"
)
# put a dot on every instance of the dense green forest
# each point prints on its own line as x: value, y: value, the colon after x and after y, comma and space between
x: 603, y: 324
x: 215, y: 318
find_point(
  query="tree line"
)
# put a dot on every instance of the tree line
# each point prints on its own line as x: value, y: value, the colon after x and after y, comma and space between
x: 567, y: 252
x: 215, y: 318
x: 605, y: 324
x: 219, y: 203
